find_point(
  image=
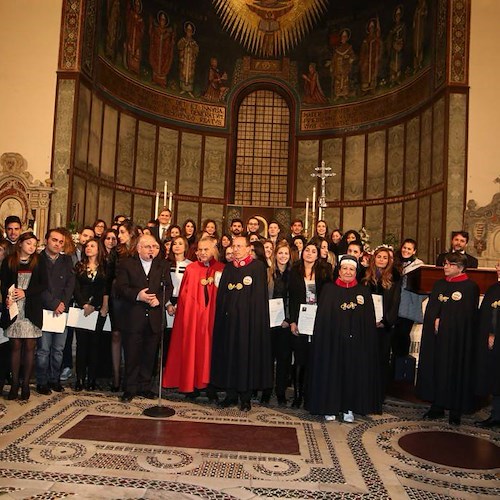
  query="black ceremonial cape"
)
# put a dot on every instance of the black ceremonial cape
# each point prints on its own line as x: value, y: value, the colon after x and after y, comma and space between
x: 241, y: 347
x: 446, y: 370
x: 344, y: 370
x: 488, y: 361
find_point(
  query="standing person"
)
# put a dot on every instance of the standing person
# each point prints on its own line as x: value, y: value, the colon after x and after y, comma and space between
x: 26, y: 271
x: 161, y: 48
x: 241, y: 353
x: 370, y: 56
x: 348, y: 237
x: 188, y: 54
x: 56, y: 298
x: 336, y: 238
x: 99, y: 227
x: 86, y: 234
x: 274, y: 232
x: 161, y: 231
x: 410, y: 306
x: 488, y: 361
x: 189, y: 232
x: 341, y: 65
x: 90, y: 288
x: 209, y: 226
x: 4, y: 340
x: 459, y: 240
x: 189, y: 356
x: 322, y: 230
x: 143, y: 284
x: 296, y: 229
x: 280, y: 335
x: 307, y: 278
x: 382, y: 279
x: 344, y: 376
x: 253, y: 226
x: 446, y: 371
x: 134, y: 35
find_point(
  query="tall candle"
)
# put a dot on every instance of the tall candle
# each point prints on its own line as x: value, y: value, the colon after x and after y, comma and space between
x: 165, y: 189
x: 170, y: 201
x: 157, y: 204
x: 314, y: 202
x: 307, y: 214
x: 58, y: 219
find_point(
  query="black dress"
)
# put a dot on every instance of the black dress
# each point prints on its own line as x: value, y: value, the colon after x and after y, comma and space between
x: 446, y: 371
x: 344, y: 372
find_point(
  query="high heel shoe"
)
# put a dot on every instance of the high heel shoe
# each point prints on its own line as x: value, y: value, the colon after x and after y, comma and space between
x: 297, y: 402
x: 25, y: 393
x: 14, y: 389
x: 92, y: 385
x: 78, y: 385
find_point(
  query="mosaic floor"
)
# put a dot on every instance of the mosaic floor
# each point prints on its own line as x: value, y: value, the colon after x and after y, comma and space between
x: 335, y: 460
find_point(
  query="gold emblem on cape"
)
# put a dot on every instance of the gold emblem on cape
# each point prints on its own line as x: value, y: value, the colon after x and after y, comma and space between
x: 495, y: 304
x: 232, y: 286
x: 269, y: 28
x: 207, y: 281
x: 348, y: 305
x: 247, y: 280
x: 360, y: 299
x: 456, y: 295
x: 443, y: 298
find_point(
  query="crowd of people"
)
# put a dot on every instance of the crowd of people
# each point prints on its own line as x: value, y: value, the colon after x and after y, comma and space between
x: 244, y: 315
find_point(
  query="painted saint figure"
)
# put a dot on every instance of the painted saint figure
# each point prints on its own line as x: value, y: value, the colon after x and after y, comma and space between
x: 341, y: 65
x: 395, y: 46
x: 217, y: 83
x: 419, y: 33
x: 370, y: 55
x: 188, y: 53
x: 135, y: 33
x: 161, y: 48
x: 313, y: 93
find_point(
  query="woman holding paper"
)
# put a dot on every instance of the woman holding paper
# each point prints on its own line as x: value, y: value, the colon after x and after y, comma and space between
x: 307, y: 278
x: 90, y: 287
x: 280, y: 335
x: 383, y: 280
x: 24, y: 277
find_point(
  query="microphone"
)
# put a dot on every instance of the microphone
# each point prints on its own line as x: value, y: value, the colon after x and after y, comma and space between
x: 151, y: 257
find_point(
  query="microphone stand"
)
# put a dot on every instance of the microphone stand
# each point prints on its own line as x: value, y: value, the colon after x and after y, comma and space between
x: 160, y: 411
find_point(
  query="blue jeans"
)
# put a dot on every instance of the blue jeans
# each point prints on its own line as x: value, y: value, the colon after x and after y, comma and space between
x: 49, y: 356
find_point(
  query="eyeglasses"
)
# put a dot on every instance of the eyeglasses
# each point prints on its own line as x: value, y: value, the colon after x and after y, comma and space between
x: 451, y: 264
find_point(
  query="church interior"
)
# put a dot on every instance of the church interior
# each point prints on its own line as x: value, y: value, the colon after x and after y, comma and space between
x: 224, y: 109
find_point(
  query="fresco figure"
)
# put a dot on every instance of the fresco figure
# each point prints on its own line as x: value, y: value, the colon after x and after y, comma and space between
x: 161, y: 48
x: 217, y: 83
x: 370, y: 56
x: 419, y: 18
x: 341, y: 65
x: 113, y: 28
x: 188, y: 53
x: 313, y: 93
x: 395, y: 46
x: 135, y: 33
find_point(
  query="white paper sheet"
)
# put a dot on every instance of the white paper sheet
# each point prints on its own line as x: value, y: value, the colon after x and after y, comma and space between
x: 76, y: 319
x: 53, y: 323
x: 307, y: 316
x: 276, y: 312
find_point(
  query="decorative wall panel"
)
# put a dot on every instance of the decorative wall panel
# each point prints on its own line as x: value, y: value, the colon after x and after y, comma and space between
x: 354, y: 167
x: 353, y: 219
x: 123, y: 203
x: 190, y: 163
x: 106, y: 210
x: 374, y: 222
x: 126, y: 150
x: 145, y: 161
x: 90, y: 207
x: 214, y: 171
x: 108, y: 154
x: 393, y: 213
x: 167, y: 158
x: 438, y: 141
x: 395, y: 161
x: 186, y: 210
x: 332, y: 155
x: 410, y: 220
x: 375, y: 176
x: 94, y: 157
x: 83, y: 127
x: 426, y: 250
x: 436, y: 244
x: 143, y: 209
x: 412, y: 170
x: 307, y: 161
x: 425, y: 149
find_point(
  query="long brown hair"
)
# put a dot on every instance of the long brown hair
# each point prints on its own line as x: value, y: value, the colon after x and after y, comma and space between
x: 14, y: 258
x: 81, y: 267
x: 125, y: 250
x: 385, y: 276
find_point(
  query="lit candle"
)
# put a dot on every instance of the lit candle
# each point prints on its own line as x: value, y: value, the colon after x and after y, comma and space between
x: 165, y: 189
x: 314, y: 202
x: 34, y: 228
x: 307, y: 214
x: 157, y: 204
x: 170, y: 201
x: 58, y: 219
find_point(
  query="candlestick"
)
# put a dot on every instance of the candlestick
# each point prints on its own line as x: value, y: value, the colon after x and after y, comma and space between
x: 157, y: 204
x: 165, y: 189
x: 314, y: 201
x: 170, y: 201
x: 58, y: 219
x: 307, y: 214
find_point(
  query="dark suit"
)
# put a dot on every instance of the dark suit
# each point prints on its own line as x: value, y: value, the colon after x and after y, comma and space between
x: 142, y: 324
x: 472, y: 262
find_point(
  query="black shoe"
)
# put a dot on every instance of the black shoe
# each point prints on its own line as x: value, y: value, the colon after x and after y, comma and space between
x: 433, y: 414
x: 212, y: 395
x: 43, y: 389
x: 245, y: 406
x: 282, y: 402
x: 454, y: 419
x: 193, y: 395
x: 226, y: 403
x: 114, y: 388
x: 126, y: 397
x: 148, y: 394
x: 78, y: 386
x: 489, y: 423
x: 297, y: 403
x: 14, y: 389
x: 57, y: 387
x: 265, y: 400
x: 92, y: 386
x: 25, y: 393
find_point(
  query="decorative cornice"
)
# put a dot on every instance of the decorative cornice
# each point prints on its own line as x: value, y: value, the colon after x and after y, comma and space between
x: 70, y: 35
x: 459, y: 42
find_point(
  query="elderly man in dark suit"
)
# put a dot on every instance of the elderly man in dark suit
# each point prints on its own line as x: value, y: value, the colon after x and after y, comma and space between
x: 140, y: 281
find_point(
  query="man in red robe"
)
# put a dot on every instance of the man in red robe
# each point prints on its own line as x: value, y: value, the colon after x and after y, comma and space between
x: 189, y: 355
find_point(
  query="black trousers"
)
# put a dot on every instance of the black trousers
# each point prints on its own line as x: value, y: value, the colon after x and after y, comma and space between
x: 140, y: 349
x: 281, y: 345
x: 87, y: 350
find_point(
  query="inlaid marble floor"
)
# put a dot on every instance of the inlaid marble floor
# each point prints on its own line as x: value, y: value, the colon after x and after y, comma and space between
x: 48, y: 449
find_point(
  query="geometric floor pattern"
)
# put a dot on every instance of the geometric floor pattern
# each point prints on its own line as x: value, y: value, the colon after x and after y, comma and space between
x: 335, y: 460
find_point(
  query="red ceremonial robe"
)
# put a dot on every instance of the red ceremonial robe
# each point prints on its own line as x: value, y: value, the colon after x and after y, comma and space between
x: 189, y: 355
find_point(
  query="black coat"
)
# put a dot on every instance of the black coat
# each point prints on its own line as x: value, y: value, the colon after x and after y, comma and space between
x: 446, y: 372
x: 390, y: 299
x: 344, y: 372
x: 488, y: 361
x: 241, y: 348
x: 61, y: 281
x: 33, y: 308
x: 130, y: 280
x: 472, y: 262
